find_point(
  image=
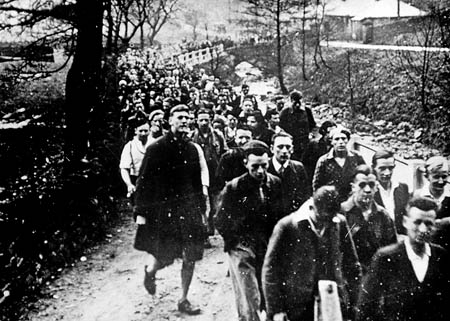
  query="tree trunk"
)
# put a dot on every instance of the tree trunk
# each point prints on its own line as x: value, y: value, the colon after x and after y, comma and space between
x: 142, y: 36
x: 82, y: 84
x: 279, y: 63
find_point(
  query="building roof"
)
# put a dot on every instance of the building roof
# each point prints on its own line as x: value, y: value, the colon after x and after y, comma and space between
x: 361, y: 9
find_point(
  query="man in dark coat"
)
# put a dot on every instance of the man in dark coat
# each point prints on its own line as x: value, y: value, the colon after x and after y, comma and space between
x: 249, y: 209
x: 231, y: 163
x: 310, y: 245
x: 410, y: 280
x: 298, y: 121
x: 170, y: 204
x: 294, y: 181
x: 370, y: 224
x: 392, y: 195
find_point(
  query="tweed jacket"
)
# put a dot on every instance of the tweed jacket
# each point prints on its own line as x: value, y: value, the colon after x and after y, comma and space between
x: 243, y: 217
x: 371, y: 234
x: 293, y: 259
x: 328, y: 172
x: 391, y: 291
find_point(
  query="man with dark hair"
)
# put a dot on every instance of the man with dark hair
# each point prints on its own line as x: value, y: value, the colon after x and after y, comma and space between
x: 249, y: 208
x: 238, y: 102
x: 317, y: 148
x: 231, y: 163
x: 308, y: 246
x: 294, y: 181
x: 170, y: 205
x: 337, y: 167
x: 371, y: 226
x: 411, y: 279
x: 256, y: 122
x: 214, y: 146
x: 298, y: 121
x: 273, y: 120
x: 392, y: 195
x: 222, y: 107
x: 246, y: 108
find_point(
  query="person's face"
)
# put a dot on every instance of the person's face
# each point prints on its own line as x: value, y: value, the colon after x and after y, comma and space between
x: 438, y: 178
x: 167, y: 92
x: 364, y: 188
x: 222, y: 100
x: 142, y: 131
x: 179, y: 122
x: 156, y: 123
x: 282, y: 149
x: 192, y: 120
x: 232, y: 121
x: 193, y: 95
x: 339, y: 142
x: 218, y: 125
x: 327, y: 137
x: 245, y: 90
x: 274, y: 120
x: 251, y: 122
x: 419, y: 225
x: 166, y: 105
x: 204, y: 94
x: 384, y: 167
x: 257, y: 166
x: 247, y: 107
x: 280, y: 104
x: 242, y: 137
x: 203, y: 121
x: 217, y: 81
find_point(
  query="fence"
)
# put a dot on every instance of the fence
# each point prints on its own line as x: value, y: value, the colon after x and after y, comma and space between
x: 406, y: 171
x: 199, y: 56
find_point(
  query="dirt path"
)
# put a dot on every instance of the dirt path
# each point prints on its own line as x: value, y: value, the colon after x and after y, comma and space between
x: 107, y: 286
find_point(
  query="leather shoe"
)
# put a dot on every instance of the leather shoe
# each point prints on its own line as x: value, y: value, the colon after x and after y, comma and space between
x: 186, y: 307
x: 149, y: 281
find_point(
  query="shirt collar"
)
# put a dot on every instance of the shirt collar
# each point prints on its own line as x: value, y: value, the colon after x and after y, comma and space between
x: 412, y: 256
x: 394, y: 185
x: 277, y: 165
x: 330, y: 153
x: 425, y: 191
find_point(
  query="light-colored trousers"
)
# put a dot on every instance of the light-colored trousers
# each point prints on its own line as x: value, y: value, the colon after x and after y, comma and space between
x: 244, y: 277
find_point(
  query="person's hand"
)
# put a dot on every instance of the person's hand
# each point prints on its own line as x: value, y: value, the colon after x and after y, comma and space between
x: 280, y: 316
x: 130, y: 190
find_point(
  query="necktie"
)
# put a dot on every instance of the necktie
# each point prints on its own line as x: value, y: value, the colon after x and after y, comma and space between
x: 261, y: 194
x: 281, y: 171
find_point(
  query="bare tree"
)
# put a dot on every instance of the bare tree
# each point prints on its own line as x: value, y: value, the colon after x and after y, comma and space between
x: 79, y: 21
x: 159, y: 13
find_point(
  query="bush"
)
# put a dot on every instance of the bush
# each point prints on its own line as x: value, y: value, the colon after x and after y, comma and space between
x: 48, y: 215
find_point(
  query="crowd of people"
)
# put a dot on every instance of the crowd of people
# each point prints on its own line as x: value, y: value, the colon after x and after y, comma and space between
x: 312, y: 232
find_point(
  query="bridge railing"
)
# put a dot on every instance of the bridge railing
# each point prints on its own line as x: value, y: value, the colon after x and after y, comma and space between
x: 199, y: 56
x: 406, y: 170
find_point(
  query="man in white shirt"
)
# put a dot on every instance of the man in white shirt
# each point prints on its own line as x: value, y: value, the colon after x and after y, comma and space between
x: 409, y: 280
x: 392, y: 195
x: 294, y: 180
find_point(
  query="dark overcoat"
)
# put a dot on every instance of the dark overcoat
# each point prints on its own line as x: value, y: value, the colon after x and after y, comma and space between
x: 169, y: 195
x: 294, y: 184
x: 391, y: 291
x: 293, y: 259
